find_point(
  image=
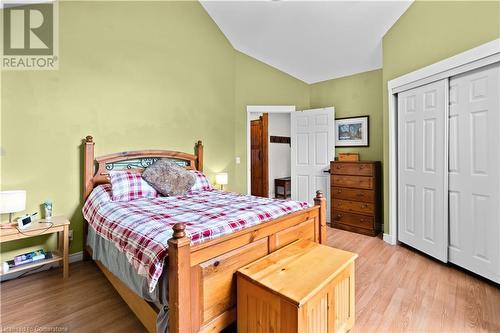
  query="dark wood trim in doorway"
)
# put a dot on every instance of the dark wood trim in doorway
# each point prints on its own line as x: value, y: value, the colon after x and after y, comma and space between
x: 260, y: 156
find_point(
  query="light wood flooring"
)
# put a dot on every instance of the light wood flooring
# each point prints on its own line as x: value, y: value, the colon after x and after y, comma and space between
x: 397, y: 290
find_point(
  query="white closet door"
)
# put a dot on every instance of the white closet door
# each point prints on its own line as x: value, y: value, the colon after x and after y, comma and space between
x: 423, y: 168
x: 474, y: 171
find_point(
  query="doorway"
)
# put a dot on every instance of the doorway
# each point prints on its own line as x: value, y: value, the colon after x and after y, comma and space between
x: 276, y: 162
x: 300, y: 164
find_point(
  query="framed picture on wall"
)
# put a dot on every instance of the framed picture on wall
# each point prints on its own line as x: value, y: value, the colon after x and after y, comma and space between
x: 351, y: 132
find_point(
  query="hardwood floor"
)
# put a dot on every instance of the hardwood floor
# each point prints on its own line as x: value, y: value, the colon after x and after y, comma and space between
x: 397, y: 290
x: 86, y: 302
x: 401, y: 290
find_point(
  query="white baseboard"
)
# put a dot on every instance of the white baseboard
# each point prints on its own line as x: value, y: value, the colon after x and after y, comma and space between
x: 74, y: 257
x: 390, y: 239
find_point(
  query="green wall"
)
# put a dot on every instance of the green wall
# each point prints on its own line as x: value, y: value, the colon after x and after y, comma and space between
x: 355, y: 95
x: 259, y: 84
x: 426, y: 33
x: 134, y: 75
x: 162, y: 75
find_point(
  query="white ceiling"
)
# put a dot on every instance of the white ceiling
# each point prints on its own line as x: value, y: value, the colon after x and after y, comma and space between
x: 310, y: 40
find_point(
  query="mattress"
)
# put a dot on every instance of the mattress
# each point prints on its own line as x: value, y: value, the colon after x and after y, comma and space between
x: 140, y: 229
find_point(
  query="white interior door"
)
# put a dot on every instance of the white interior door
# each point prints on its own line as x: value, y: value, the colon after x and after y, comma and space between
x: 474, y: 171
x: 313, y: 147
x: 423, y: 168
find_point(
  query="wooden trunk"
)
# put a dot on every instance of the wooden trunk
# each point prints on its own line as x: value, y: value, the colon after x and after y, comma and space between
x: 288, y: 291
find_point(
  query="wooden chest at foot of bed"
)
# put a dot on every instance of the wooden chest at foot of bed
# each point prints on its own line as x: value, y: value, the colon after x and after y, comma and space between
x: 303, y: 287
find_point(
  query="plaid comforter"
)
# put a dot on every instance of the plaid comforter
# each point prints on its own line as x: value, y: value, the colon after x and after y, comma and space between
x: 141, y: 228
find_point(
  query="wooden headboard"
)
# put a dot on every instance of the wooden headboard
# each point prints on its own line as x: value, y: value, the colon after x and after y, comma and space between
x: 96, y: 169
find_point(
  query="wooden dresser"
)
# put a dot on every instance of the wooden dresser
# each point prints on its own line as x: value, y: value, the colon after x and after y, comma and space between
x: 355, y: 195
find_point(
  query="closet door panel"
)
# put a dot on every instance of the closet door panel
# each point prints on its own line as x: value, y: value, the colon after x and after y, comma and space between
x: 422, y: 160
x: 474, y: 181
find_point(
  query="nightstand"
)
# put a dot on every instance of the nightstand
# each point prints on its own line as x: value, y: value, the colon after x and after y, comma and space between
x: 60, y: 225
x: 282, y: 188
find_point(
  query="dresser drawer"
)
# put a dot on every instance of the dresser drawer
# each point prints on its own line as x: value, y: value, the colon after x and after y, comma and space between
x: 362, y: 182
x: 354, y: 206
x: 355, y: 220
x: 361, y: 169
x: 353, y: 194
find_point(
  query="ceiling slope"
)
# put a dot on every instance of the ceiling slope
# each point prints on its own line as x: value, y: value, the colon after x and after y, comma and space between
x: 310, y: 40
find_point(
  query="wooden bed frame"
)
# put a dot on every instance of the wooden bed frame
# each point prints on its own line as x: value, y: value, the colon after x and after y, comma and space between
x: 202, y: 295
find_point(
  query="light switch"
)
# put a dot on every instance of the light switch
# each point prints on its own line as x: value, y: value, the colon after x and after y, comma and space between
x: 238, y: 160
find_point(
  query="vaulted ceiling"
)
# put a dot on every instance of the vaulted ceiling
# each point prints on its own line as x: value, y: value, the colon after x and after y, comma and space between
x: 310, y: 40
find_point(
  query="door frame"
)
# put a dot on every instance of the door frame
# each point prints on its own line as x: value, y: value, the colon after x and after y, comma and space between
x: 477, y: 57
x: 260, y: 109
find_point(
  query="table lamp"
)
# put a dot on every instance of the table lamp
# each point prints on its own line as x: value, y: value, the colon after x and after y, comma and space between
x: 221, y: 179
x: 12, y: 202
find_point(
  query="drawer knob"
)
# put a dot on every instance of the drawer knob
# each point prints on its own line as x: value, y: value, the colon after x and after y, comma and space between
x: 339, y: 216
x: 365, y: 206
x: 361, y: 220
x: 361, y: 166
x: 216, y: 263
x: 339, y: 191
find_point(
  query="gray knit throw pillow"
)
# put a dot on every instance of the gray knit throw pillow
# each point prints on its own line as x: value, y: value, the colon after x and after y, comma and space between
x: 168, y: 178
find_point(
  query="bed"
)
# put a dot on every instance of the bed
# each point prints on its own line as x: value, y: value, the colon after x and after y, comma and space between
x: 195, y: 289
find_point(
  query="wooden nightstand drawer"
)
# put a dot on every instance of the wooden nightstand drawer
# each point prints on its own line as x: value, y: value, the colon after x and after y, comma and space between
x: 353, y: 194
x: 355, y: 220
x: 353, y: 181
x: 354, y: 206
x: 346, y: 168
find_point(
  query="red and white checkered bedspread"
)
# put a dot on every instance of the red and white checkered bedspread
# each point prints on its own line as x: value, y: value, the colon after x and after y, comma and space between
x: 141, y: 228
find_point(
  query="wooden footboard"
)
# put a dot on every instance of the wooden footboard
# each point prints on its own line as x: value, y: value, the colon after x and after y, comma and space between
x: 202, y: 289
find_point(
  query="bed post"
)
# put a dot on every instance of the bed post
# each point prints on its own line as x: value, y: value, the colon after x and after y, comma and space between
x: 320, y: 201
x: 88, y: 174
x: 179, y: 280
x: 88, y: 168
x: 199, y: 155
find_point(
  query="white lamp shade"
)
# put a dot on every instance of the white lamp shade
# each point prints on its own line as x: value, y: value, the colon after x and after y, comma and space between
x: 221, y: 178
x: 12, y: 201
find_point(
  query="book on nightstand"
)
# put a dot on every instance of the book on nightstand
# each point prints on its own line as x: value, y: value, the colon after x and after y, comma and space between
x: 26, y: 258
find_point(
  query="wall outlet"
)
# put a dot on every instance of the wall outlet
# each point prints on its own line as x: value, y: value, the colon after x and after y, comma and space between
x: 71, y: 235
